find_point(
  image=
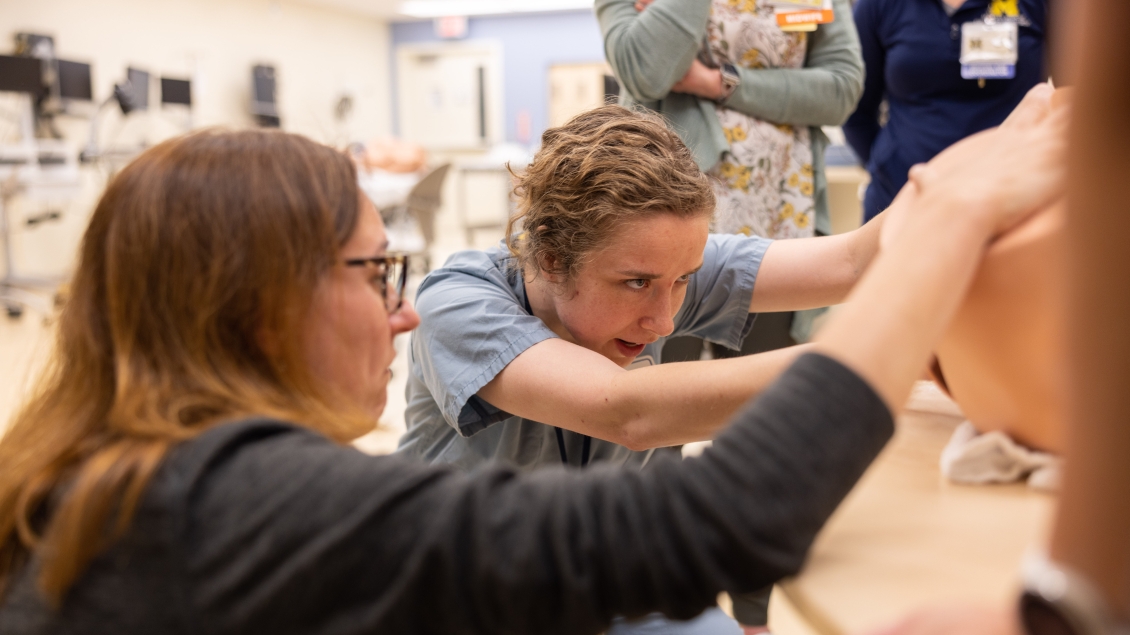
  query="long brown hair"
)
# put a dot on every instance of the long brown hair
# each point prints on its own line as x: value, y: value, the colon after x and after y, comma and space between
x: 189, y: 296
x: 601, y: 169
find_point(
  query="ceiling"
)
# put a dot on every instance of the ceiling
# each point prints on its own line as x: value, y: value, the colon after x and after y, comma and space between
x: 373, y: 8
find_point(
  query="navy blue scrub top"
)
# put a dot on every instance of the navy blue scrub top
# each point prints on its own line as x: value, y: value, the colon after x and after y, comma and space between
x: 911, y: 50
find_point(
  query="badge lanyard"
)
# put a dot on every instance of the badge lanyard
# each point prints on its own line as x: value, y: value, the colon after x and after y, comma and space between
x: 587, y: 444
x: 565, y: 455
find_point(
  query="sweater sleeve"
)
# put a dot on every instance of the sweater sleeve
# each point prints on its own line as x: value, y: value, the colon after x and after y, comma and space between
x: 651, y: 50
x: 286, y: 532
x: 823, y: 93
x: 863, y: 127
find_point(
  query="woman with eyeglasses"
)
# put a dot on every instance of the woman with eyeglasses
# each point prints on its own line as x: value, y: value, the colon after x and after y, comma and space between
x: 182, y: 468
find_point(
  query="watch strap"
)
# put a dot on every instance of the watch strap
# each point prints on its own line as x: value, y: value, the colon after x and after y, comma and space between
x: 730, y: 81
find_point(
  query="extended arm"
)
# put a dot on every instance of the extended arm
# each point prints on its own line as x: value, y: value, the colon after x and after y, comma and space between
x: 565, y: 385
x: 568, y: 386
x: 806, y: 273
x: 289, y: 533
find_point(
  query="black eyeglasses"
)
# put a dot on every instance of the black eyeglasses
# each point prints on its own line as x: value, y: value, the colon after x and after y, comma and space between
x: 394, y: 268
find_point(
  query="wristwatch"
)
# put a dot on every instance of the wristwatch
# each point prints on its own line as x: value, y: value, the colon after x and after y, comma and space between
x: 730, y: 81
x: 1059, y: 601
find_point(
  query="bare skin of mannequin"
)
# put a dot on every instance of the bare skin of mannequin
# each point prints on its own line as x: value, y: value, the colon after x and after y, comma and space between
x: 1093, y: 519
x: 1002, y: 357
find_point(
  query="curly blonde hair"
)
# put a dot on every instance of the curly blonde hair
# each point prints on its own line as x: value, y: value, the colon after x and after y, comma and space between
x: 603, y: 168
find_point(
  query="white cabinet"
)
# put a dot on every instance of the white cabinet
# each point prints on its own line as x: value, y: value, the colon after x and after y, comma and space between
x: 575, y: 88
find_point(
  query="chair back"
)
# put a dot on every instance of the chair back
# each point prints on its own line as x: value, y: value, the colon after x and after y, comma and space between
x: 424, y: 200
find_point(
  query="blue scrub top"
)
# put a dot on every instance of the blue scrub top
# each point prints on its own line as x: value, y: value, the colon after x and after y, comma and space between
x: 911, y: 50
x: 474, y: 320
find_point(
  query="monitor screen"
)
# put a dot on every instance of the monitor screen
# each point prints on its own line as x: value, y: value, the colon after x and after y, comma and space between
x: 176, y: 91
x: 21, y: 74
x: 74, y: 80
x: 139, y: 88
x: 263, y: 84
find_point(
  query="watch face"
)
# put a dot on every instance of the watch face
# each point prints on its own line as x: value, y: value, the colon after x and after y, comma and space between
x: 1043, y: 618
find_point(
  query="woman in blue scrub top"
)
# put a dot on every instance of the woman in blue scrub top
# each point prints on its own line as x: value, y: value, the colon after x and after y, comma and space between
x: 520, y: 354
x: 911, y: 49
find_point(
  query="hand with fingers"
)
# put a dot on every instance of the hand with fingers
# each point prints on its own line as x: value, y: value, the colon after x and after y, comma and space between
x: 1001, y: 175
x: 701, y: 81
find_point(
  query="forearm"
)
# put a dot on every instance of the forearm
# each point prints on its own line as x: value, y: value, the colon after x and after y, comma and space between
x: 564, y: 385
x: 808, y: 273
x: 633, y: 41
x: 1093, y: 520
x: 672, y: 404
x: 798, y: 96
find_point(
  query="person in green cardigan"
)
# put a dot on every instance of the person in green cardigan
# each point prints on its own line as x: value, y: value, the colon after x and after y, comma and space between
x: 749, y: 100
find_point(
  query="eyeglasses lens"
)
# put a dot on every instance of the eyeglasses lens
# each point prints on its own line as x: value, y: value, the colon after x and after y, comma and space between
x: 396, y: 275
x: 393, y: 276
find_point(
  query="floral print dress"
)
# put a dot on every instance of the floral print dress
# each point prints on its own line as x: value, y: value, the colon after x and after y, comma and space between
x: 764, y: 184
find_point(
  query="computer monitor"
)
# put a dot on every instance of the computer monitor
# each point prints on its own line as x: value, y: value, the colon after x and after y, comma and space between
x: 74, y: 81
x: 264, y: 98
x: 263, y: 85
x: 139, y: 88
x: 21, y: 74
x: 176, y: 91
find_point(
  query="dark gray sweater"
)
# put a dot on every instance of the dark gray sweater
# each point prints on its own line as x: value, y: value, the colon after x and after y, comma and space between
x: 265, y: 527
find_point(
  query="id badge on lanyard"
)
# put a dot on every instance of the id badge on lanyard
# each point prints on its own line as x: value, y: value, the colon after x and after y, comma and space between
x: 989, y: 49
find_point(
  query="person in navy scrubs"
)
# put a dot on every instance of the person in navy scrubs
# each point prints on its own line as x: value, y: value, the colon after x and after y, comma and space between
x: 911, y: 49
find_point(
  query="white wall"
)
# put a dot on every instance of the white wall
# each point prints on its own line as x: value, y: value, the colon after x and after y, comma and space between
x: 318, y: 53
